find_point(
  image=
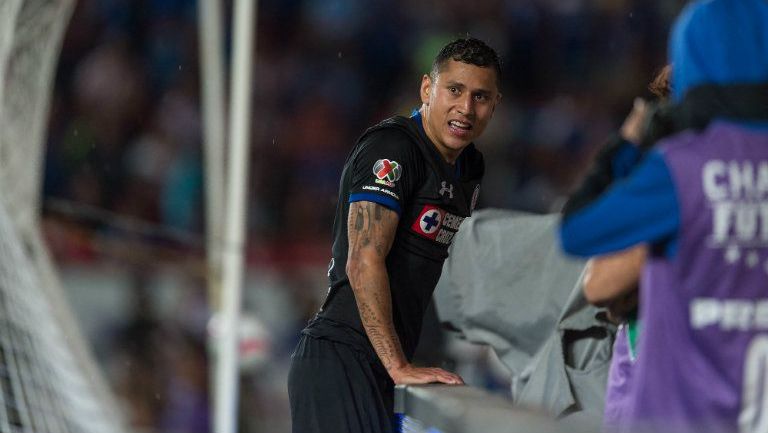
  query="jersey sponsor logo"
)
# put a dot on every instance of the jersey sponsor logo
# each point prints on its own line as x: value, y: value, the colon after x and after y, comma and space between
x: 387, y: 170
x: 428, y: 222
x: 381, y: 190
x: 738, y: 198
x: 437, y: 224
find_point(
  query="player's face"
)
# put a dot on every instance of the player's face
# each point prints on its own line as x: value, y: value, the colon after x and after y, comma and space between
x: 457, y: 105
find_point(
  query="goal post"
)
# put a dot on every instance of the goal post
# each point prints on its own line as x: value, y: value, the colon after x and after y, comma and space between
x: 227, y: 172
x: 214, y: 136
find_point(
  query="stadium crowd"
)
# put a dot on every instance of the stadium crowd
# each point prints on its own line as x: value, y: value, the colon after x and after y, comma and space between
x: 124, y: 181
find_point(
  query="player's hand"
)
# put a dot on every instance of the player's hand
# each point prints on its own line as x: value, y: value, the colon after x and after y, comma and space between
x: 410, y: 375
x: 632, y: 129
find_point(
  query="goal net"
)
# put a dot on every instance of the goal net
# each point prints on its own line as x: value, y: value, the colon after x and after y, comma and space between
x: 48, y: 380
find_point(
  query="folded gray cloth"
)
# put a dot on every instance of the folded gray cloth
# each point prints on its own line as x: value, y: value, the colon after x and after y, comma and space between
x: 508, y: 285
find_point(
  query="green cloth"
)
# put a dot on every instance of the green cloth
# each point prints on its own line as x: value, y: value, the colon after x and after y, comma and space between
x: 633, y: 330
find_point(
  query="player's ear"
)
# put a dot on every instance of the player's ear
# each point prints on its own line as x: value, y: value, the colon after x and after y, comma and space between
x: 496, y: 103
x: 426, y: 88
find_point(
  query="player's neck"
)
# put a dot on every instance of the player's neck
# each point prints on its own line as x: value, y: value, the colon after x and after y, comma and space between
x: 449, y: 155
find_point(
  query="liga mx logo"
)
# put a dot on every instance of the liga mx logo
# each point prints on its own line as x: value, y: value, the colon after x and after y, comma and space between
x: 387, y: 170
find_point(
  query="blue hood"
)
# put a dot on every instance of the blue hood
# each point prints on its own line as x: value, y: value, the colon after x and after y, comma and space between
x: 719, y: 42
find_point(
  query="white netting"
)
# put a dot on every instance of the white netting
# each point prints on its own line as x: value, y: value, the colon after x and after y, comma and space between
x: 29, y: 46
x: 48, y: 381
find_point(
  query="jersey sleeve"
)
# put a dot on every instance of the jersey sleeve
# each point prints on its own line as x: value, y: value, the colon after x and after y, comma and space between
x: 641, y: 208
x: 385, y: 170
x: 615, y: 161
x: 625, y: 160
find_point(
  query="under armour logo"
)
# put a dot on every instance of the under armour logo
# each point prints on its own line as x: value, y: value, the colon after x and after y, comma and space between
x: 446, y: 188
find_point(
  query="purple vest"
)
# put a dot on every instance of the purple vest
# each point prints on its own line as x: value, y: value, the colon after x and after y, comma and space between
x: 702, y: 362
x: 617, y: 392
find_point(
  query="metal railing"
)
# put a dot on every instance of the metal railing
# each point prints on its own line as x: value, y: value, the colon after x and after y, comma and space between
x: 464, y: 409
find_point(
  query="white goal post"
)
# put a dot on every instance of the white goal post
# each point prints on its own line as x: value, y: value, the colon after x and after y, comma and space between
x: 226, y: 222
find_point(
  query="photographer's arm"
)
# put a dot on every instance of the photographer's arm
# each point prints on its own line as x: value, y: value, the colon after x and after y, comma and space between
x: 611, y: 280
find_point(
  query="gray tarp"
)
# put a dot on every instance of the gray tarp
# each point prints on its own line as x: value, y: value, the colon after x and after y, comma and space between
x: 507, y: 284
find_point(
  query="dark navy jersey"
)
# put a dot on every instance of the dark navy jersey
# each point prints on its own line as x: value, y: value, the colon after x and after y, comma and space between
x: 395, y: 165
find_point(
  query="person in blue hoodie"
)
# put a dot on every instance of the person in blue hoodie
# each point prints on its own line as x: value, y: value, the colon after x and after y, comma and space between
x: 699, y: 201
x: 621, y: 269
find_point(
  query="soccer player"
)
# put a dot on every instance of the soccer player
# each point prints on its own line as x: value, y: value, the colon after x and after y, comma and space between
x: 407, y: 185
x: 699, y: 200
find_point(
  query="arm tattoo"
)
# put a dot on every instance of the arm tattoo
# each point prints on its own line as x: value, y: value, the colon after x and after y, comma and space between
x: 359, y: 220
x: 371, y: 231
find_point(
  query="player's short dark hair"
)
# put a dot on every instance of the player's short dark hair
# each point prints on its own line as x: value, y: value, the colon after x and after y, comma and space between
x: 467, y: 50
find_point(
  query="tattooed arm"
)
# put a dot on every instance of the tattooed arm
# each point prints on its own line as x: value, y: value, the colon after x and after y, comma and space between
x: 371, y: 230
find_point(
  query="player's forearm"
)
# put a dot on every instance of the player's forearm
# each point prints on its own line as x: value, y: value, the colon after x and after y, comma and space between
x: 371, y: 231
x: 370, y: 284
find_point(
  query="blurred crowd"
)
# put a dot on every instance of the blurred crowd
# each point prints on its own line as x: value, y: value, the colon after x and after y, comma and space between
x: 124, y: 154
